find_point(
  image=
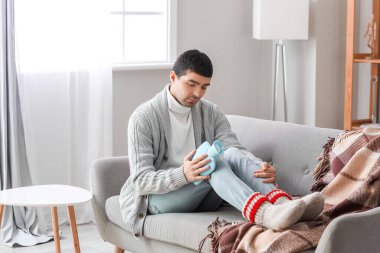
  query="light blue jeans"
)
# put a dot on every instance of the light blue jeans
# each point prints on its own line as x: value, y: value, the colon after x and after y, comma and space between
x: 232, y: 181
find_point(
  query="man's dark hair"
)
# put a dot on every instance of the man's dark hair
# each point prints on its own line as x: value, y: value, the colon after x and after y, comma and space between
x: 194, y: 61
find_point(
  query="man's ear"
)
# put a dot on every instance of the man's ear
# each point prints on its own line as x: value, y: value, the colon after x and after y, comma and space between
x: 172, y: 76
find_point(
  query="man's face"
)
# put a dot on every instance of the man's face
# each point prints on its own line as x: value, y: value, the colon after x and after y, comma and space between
x: 189, y: 88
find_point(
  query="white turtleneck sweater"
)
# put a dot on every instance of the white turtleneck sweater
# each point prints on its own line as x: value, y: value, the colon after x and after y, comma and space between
x: 182, y: 132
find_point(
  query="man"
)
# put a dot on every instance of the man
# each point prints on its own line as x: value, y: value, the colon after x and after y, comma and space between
x: 163, y: 135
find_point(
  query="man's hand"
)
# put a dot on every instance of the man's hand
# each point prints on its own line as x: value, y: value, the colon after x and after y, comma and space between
x: 268, y: 172
x: 192, y: 169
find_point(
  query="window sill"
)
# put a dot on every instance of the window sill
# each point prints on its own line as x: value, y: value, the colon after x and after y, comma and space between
x: 145, y: 66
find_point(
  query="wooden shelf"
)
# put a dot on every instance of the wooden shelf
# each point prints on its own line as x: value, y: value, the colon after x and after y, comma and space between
x: 355, y: 127
x: 362, y: 58
x: 351, y: 58
x: 373, y: 61
x: 356, y: 124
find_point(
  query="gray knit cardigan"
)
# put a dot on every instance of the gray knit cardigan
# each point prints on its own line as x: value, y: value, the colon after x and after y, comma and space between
x: 148, y: 136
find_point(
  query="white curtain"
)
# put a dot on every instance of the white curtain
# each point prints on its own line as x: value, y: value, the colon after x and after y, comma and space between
x: 65, y: 89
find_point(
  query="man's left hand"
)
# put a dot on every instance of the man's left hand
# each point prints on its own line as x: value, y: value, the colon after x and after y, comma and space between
x: 266, y: 171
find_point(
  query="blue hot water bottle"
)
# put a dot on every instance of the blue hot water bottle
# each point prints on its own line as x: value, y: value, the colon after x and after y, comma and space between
x: 213, y: 152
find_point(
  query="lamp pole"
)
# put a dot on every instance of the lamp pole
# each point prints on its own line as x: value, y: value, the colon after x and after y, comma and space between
x: 280, y: 51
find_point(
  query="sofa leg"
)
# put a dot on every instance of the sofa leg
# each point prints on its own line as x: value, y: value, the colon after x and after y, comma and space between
x: 118, y: 250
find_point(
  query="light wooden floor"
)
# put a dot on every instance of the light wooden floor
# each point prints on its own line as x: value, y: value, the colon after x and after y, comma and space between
x: 89, y: 239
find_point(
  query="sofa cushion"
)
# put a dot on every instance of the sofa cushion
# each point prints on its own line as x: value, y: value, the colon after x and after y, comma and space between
x: 113, y: 211
x: 184, y: 229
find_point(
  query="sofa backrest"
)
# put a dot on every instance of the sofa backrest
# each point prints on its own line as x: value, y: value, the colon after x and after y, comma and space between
x: 294, y: 149
x: 108, y: 175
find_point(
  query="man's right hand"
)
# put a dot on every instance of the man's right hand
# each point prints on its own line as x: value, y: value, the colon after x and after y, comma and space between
x: 192, y: 169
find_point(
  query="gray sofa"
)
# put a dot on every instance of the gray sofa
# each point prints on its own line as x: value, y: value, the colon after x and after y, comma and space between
x: 292, y: 148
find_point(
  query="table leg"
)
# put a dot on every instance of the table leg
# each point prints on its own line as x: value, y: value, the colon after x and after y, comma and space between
x: 118, y: 250
x: 74, y: 230
x: 54, y: 218
x: 1, y: 213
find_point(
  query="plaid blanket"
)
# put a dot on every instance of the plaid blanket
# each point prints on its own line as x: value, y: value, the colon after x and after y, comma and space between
x: 348, y: 175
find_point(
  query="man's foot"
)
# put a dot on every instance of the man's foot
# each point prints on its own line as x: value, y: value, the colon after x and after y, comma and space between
x: 260, y: 211
x: 314, y: 203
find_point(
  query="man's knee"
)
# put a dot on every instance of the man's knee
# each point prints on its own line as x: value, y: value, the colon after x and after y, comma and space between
x: 231, y: 152
x: 222, y: 170
x: 233, y: 156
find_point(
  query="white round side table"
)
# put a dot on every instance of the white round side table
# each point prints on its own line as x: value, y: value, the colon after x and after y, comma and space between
x: 48, y: 195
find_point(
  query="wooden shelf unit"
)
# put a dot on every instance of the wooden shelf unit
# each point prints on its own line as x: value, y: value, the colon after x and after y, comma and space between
x: 360, y: 58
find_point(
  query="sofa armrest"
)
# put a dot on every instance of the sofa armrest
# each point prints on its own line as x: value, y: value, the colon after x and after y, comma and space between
x: 108, y: 175
x: 357, y: 232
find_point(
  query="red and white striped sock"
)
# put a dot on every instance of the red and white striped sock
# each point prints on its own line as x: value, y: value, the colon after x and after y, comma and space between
x: 278, y: 197
x: 314, y: 202
x: 260, y: 211
x: 314, y: 206
x: 252, y: 205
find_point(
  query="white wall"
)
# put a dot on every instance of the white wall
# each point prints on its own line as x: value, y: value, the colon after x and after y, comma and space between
x: 242, y: 81
x: 132, y: 88
x: 330, y: 35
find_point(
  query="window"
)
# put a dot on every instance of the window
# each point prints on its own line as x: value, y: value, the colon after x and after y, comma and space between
x: 143, y: 31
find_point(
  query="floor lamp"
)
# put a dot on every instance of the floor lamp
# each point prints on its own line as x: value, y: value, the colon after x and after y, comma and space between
x: 280, y: 20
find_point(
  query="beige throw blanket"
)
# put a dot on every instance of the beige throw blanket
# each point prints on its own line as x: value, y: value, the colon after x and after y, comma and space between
x: 348, y: 175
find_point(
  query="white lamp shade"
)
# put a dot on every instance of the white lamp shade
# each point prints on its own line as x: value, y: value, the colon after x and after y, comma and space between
x: 281, y: 19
